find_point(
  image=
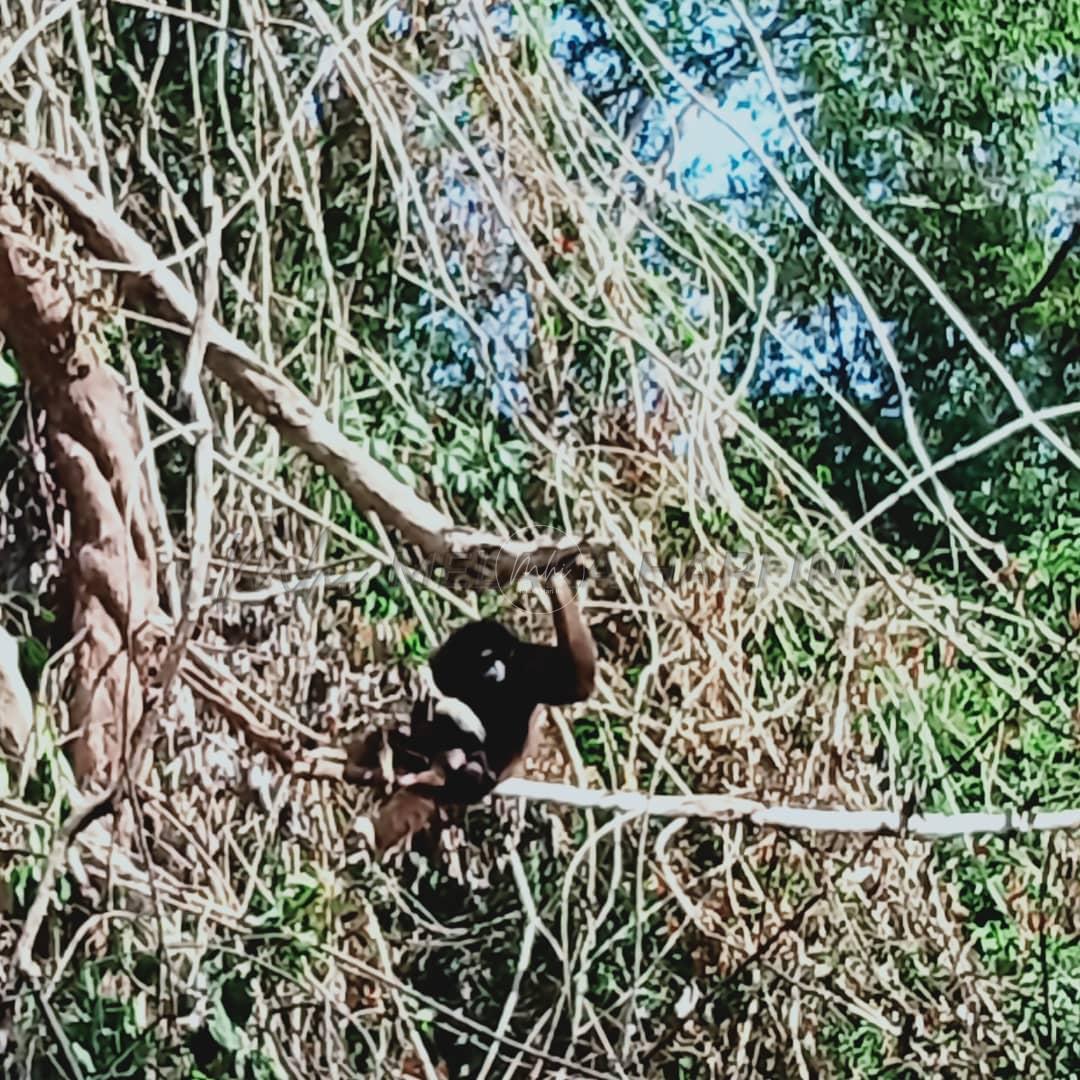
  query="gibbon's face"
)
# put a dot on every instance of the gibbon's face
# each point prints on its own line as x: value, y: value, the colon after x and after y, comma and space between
x: 477, y: 659
x: 496, y: 666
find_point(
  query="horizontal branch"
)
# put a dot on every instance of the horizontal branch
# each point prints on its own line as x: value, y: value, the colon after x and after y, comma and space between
x: 729, y: 808
x: 370, y: 485
x: 329, y: 765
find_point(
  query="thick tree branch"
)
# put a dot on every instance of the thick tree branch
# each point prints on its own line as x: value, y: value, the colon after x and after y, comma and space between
x: 369, y: 484
x: 112, y: 573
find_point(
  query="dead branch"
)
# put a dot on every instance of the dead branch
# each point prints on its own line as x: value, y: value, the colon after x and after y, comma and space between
x: 209, y: 685
x: 202, y: 495
x: 85, y: 810
x: 369, y: 484
x: 330, y: 764
x: 809, y: 819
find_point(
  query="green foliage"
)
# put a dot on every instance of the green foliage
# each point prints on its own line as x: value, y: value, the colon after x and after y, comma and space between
x: 34, y: 654
x: 856, y: 1047
x: 941, y: 133
x: 106, y: 1035
x: 1052, y: 562
x: 42, y: 785
x: 602, y: 744
x: 290, y: 917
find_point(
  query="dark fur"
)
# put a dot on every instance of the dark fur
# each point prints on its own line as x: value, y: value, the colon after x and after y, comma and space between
x: 458, y: 769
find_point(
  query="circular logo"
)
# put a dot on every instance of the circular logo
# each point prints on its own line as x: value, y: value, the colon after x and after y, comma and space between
x: 541, y: 569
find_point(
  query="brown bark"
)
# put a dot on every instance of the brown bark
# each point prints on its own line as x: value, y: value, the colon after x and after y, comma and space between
x: 111, y: 573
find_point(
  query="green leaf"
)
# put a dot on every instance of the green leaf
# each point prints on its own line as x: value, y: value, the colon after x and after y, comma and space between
x: 9, y: 375
x: 224, y: 1032
x: 33, y: 656
x: 80, y: 1054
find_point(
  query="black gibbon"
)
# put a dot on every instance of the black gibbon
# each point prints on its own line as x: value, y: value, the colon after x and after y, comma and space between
x: 475, y: 728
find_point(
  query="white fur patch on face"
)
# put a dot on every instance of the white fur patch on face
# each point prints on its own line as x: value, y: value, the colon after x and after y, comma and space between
x: 497, y: 671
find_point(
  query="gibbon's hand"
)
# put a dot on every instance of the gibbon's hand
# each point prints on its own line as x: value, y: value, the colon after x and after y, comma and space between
x: 457, y: 778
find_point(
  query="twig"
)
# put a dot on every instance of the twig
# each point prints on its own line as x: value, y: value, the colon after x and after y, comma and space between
x: 239, y: 716
x: 1052, y: 270
x: 1049, y: 1038
x: 528, y: 937
x: 84, y: 810
x: 202, y: 496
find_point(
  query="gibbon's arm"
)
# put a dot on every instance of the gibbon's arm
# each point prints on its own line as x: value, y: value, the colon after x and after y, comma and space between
x: 565, y: 672
x: 406, y: 813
